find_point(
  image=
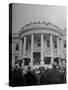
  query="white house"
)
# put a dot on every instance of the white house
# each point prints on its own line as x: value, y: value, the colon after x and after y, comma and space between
x: 42, y: 42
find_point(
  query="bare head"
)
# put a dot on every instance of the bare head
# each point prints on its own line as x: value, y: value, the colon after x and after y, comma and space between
x: 54, y: 64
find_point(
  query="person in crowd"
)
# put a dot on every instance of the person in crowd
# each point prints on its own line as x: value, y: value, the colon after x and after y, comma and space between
x: 42, y: 76
x: 63, y: 65
x: 30, y: 78
x: 63, y: 69
x: 52, y: 76
x: 18, y: 79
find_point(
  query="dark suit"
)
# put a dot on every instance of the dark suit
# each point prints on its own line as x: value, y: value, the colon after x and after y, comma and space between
x: 30, y: 79
x: 18, y: 79
x: 52, y: 77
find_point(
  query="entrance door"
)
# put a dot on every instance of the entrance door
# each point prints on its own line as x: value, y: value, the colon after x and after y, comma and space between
x: 36, y: 58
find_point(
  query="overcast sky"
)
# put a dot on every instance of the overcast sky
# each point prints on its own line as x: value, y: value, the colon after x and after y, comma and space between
x: 26, y: 13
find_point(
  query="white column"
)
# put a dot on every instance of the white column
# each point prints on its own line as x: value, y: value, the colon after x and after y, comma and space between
x: 61, y: 48
x: 42, y: 62
x: 58, y: 46
x: 20, y: 48
x: 51, y: 46
x: 32, y: 42
x: 24, y: 46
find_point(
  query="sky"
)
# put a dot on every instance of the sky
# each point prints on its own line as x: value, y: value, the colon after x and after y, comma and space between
x: 25, y: 13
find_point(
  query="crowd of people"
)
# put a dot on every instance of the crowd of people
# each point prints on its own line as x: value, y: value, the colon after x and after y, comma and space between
x: 23, y: 77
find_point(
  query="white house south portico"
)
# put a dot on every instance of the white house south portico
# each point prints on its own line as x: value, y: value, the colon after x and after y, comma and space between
x: 42, y: 43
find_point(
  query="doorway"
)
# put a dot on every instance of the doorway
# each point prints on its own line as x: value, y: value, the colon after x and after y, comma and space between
x: 36, y: 58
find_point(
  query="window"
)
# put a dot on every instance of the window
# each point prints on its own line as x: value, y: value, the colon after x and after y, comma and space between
x: 39, y: 43
x: 55, y: 41
x: 55, y: 44
x: 26, y: 45
x: 47, y: 60
x: 47, y: 37
x: 64, y: 43
x: 48, y: 43
x: 27, y: 42
x: 17, y: 47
